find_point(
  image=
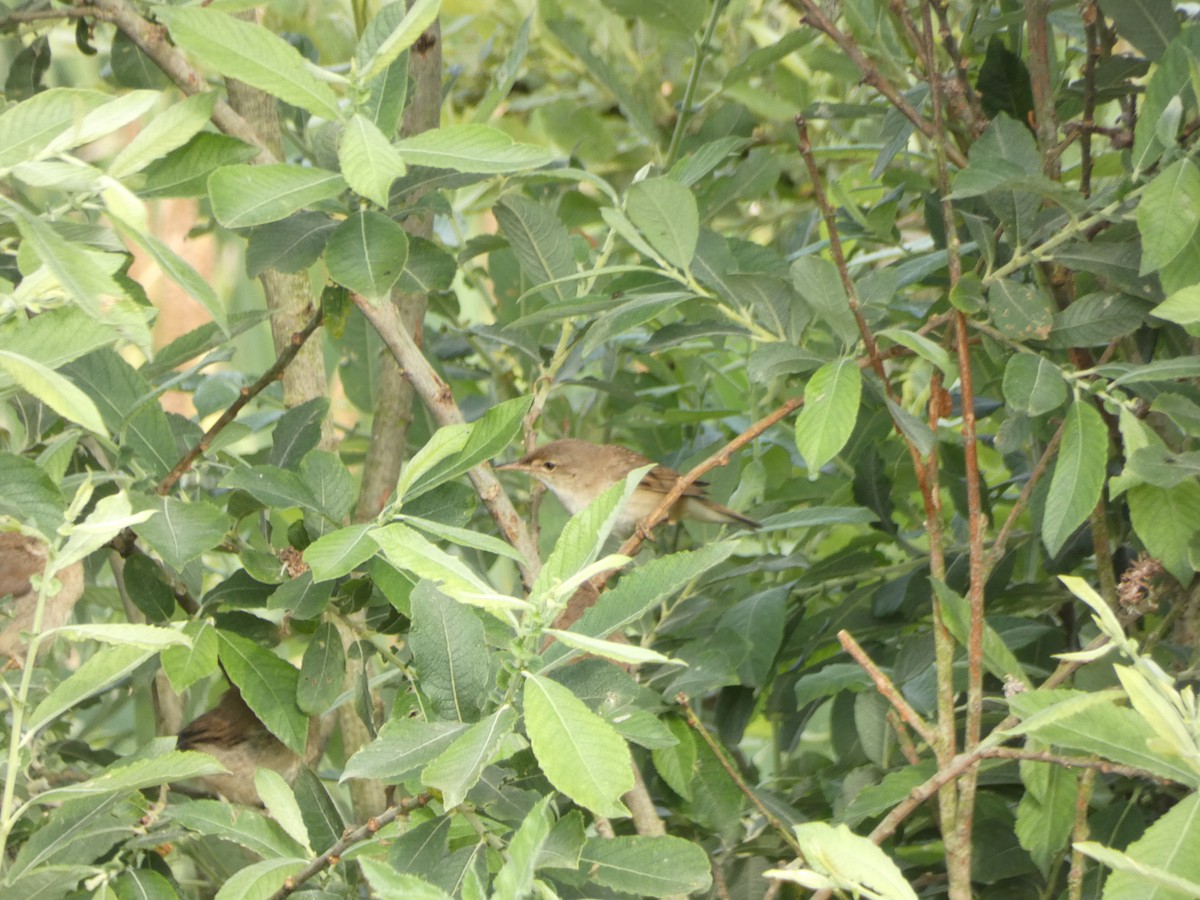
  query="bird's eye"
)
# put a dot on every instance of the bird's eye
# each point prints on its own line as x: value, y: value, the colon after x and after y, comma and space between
x: 549, y: 465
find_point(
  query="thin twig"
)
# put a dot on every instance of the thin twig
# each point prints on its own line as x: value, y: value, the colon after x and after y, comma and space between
x: 152, y: 40
x: 334, y: 854
x: 245, y: 395
x: 773, y: 820
x: 1080, y: 834
x: 888, y: 689
x: 870, y: 72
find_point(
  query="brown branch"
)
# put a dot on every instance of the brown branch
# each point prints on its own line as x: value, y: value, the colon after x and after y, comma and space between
x: 736, y: 776
x: 870, y: 72
x: 957, y: 803
x: 888, y: 689
x: 1073, y: 762
x: 21, y: 17
x: 1089, y: 12
x: 246, y: 394
x: 333, y: 855
x: 720, y: 458
x: 151, y: 39
x: 977, y: 121
x: 439, y: 400
x: 1079, y: 834
x: 1038, y: 30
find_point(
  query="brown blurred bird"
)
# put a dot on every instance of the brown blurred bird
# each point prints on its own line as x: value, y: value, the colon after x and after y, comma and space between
x: 239, y: 741
x: 21, y: 558
x: 578, y: 472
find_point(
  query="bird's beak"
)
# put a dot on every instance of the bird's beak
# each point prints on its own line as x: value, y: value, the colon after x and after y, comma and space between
x: 518, y: 466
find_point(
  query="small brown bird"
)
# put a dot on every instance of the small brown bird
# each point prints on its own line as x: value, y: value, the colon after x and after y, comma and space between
x: 233, y: 734
x: 578, y: 472
x: 21, y: 558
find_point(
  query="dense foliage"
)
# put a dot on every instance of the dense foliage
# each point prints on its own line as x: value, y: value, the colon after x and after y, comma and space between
x: 917, y: 285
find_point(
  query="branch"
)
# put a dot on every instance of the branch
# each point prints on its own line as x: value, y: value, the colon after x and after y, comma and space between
x: 871, y: 75
x: 719, y: 752
x: 439, y: 400
x: 246, y: 394
x: 884, y: 685
x: 720, y: 458
x: 333, y: 855
x: 151, y: 39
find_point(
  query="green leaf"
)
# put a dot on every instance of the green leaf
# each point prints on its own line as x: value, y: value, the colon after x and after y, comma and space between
x: 758, y: 621
x: 184, y: 172
x: 85, y: 275
x: 297, y: 432
x: 1182, y: 308
x: 1096, y: 320
x: 1161, y: 370
x: 1079, y: 469
x: 580, y: 753
x: 82, y: 830
x: 340, y: 552
x: 459, y: 767
x: 271, y: 486
x: 109, y: 517
x: 831, y: 400
x: 488, y: 437
x: 998, y: 659
x: 281, y: 804
x: 180, y: 531
x: 850, y: 862
x: 177, y: 765
x: 665, y: 212
x: 260, y: 879
x: 642, y: 589
x: 420, y: 15
x: 648, y: 866
x: 471, y: 148
x: 1166, y: 521
x: 923, y: 347
x: 322, y: 671
x: 541, y: 243
x: 388, y: 884
x: 582, y: 539
x: 428, y: 270
x: 368, y: 160
x: 101, y: 671
x: 367, y: 253
x: 403, y: 747
x: 243, y: 196
x: 165, y: 131
x: 1150, y: 25
x: 1021, y: 311
x: 1033, y: 385
x: 178, y: 270
x: 184, y: 666
x: 322, y: 819
x: 268, y: 684
x: 1168, y: 214
x: 621, y: 652
x: 449, y: 651
x: 1165, y: 849
x: 27, y: 128
x: 288, y: 245
x: 1091, y: 723
x: 245, y: 827
x: 147, y: 637
x: 29, y: 494
x: 515, y: 878
x: 250, y: 53
x: 408, y: 550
